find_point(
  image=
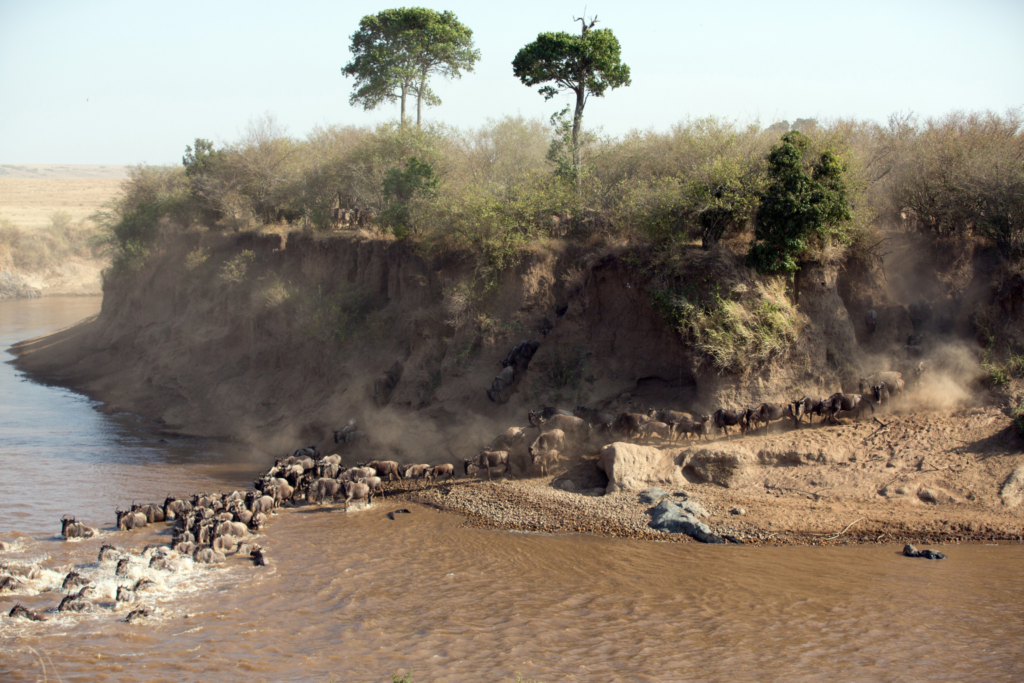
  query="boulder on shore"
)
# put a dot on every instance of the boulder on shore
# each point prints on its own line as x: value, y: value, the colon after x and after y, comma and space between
x: 675, y: 518
x: 632, y: 467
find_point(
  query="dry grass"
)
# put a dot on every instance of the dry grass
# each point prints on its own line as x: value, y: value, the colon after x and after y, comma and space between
x: 30, y: 203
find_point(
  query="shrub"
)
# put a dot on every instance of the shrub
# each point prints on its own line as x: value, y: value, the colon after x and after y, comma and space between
x: 805, y: 201
x: 153, y: 198
x: 732, y: 331
x: 958, y: 174
x: 1017, y: 413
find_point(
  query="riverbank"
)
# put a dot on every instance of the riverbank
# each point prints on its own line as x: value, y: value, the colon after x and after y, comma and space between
x: 925, y: 477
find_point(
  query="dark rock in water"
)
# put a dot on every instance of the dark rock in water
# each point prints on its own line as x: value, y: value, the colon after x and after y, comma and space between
x: 653, y: 495
x: 403, y: 511
x: 674, y: 518
x: 911, y: 551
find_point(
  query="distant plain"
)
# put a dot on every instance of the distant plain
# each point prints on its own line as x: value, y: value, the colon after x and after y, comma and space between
x: 30, y: 194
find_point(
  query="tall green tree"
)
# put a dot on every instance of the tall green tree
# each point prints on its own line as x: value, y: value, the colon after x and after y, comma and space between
x: 805, y: 199
x: 587, y: 64
x: 397, y: 51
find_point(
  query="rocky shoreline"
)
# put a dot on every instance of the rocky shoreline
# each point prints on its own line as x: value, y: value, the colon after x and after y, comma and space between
x: 773, y: 518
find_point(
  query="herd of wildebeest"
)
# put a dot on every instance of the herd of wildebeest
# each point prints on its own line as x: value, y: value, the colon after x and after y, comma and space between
x: 210, y: 526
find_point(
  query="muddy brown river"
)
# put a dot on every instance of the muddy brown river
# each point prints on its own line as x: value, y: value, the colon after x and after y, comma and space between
x: 360, y: 597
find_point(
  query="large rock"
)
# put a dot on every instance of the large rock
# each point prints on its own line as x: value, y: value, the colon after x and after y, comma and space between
x: 735, y: 463
x: 725, y: 464
x: 632, y: 467
x: 1013, y: 488
x: 674, y: 518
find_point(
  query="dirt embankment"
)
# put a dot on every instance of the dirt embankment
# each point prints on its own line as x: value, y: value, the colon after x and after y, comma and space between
x: 275, y: 340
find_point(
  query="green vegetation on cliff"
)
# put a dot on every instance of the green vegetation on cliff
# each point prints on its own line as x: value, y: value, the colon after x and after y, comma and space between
x: 494, y: 195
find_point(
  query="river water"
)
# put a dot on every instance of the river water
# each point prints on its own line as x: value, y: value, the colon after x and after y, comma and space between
x: 360, y: 597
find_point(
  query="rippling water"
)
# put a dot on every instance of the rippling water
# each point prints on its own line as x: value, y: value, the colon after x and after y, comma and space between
x: 356, y: 597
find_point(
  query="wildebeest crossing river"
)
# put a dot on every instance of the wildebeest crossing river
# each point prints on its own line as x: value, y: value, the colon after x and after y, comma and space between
x: 361, y: 596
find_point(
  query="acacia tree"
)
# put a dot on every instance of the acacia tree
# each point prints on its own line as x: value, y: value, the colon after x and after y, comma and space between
x: 805, y: 198
x: 395, y: 52
x: 587, y: 64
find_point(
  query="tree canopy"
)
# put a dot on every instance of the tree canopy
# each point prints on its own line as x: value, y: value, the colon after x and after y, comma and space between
x: 804, y: 199
x: 587, y: 64
x: 395, y: 52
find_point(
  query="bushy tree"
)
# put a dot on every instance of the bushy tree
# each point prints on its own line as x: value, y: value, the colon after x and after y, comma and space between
x: 395, y: 52
x: 587, y: 64
x: 401, y: 188
x: 805, y: 199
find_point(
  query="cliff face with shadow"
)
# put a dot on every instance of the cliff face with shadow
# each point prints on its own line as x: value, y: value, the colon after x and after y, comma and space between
x: 276, y: 339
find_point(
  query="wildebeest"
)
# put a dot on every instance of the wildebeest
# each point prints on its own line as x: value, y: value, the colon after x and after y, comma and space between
x: 223, y: 544
x: 871, y: 321
x: 74, y: 603
x: 545, y: 459
x: 109, y: 552
x: 9, y: 583
x: 154, y: 513
x: 321, y: 488
x: 257, y: 556
x: 127, y: 520
x: 21, y: 612
x: 723, y: 419
x: 257, y: 521
x: 768, y: 413
x: 575, y: 428
x: 806, y: 406
x: 173, y: 507
x: 385, y: 468
x: 70, y: 528
x: 655, y: 428
x: 311, y: 452
x: 892, y: 380
x: 125, y: 594
x: 208, y: 555
x: 592, y: 415
x: 416, y: 471
x: 507, y: 440
x: 167, y: 564
x: 74, y: 580
x: 138, y: 614
x: 487, y: 460
x: 698, y: 427
x: 357, y: 473
x: 545, y: 413
x: 123, y: 567
x: 236, y: 529
x: 357, y: 491
x: 846, y: 402
x: 547, y: 441
x: 340, y: 434
x: 627, y: 424
x: 670, y: 416
x: 445, y: 470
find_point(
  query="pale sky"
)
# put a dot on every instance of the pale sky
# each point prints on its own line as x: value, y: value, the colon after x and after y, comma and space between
x: 119, y: 82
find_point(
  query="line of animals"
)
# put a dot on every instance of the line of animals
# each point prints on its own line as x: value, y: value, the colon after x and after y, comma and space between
x: 590, y: 428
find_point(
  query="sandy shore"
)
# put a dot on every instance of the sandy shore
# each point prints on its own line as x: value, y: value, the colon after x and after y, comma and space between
x: 930, y: 477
